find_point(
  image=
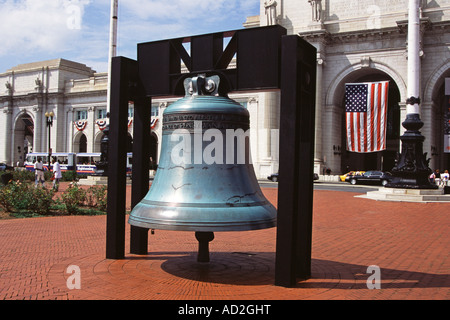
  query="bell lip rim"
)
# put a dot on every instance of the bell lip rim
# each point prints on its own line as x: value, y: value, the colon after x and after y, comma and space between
x: 226, y: 227
x: 222, y: 205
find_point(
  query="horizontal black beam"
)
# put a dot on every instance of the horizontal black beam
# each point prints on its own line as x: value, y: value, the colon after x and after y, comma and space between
x: 257, y: 51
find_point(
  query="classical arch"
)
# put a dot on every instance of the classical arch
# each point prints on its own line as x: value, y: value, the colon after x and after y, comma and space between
x: 434, y: 97
x: 80, y: 142
x: 97, y: 141
x: 23, y: 136
x: 335, y: 93
x: 435, y: 81
x: 337, y: 157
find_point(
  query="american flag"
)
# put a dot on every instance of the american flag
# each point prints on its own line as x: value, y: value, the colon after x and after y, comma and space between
x: 366, y: 116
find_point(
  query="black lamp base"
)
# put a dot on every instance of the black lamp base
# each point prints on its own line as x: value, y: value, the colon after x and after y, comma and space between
x: 412, y: 166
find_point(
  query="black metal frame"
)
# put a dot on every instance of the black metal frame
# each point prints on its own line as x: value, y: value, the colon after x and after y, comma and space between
x: 267, y: 59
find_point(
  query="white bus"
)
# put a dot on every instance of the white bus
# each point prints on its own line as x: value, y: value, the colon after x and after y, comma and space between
x: 67, y: 160
x: 86, y: 162
x: 83, y: 163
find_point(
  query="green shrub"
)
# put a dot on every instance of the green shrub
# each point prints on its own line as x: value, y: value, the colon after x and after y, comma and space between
x: 23, y: 175
x: 96, y: 197
x: 73, y: 198
x: 23, y: 199
x: 6, y: 198
x: 41, y: 200
x: 23, y: 196
x: 15, y: 196
x: 69, y: 176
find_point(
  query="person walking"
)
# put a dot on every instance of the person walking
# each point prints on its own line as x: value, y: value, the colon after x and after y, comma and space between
x: 444, y: 178
x: 39, y: 173
x: 437, y: 177
x: 57, y: 174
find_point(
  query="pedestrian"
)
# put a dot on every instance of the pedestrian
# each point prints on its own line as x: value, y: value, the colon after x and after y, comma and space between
x: 444, y: 178
x: 432, y: 177
x: 57, y: 174
x: 39, y: 172
x: 437, y: 177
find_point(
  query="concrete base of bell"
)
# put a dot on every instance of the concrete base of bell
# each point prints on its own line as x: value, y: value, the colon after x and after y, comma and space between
x: 408, y: 195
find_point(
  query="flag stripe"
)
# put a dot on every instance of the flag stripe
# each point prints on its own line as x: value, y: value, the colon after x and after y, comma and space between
x: 379, y: 106
x: 366, y: 112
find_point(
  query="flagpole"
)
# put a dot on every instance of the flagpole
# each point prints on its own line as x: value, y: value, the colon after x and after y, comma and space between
x: 411, y: 170
x: 102, y: 165
x: 413, y: 58
x: 112, y: 44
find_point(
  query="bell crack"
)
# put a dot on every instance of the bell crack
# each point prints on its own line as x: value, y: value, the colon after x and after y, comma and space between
x: 183, y: 185
x: 181, y: 167
x: 238, y: 198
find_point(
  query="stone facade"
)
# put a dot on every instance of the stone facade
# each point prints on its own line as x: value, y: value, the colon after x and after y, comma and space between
x: 29, y: 91
x: 77, y: 96
x: 366, y: 40
x: 356, y: 40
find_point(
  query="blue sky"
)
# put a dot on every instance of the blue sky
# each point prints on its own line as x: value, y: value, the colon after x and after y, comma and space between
x: 78, y: 30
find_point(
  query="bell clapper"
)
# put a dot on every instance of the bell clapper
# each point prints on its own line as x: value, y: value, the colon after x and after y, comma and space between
x: 203, y: 245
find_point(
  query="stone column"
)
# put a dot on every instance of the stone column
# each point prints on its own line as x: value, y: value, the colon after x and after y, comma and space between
x: 69, y: 130
x: 39, y: 138
x: 7, y: 112
x: 332, y: 137
x: 90, y: 134
x: 318, y: 156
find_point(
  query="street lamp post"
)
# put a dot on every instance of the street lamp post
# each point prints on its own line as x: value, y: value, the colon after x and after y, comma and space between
x: 411, y: 170
x: 49, y: 116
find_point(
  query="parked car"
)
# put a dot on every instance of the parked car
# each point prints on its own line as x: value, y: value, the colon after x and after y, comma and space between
x: 351, y: 173
x: 274, y: 177
x: 4, y: 167
x: 371, y: 177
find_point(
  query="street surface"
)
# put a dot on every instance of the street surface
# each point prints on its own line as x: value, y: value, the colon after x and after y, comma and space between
x: 330, y: 186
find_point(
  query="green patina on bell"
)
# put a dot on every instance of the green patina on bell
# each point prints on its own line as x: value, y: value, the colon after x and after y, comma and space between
x: 205, y: 180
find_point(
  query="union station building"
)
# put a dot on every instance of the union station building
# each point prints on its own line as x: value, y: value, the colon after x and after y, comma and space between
x: 356, y: 41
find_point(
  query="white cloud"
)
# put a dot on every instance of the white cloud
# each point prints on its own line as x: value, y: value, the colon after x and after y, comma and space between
x: 78, y: 30
x: 49, y: 25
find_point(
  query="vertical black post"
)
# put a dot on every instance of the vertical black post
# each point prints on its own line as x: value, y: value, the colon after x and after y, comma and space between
x: 122, y: 75
x: 141, y: 166
x: 295, y: 189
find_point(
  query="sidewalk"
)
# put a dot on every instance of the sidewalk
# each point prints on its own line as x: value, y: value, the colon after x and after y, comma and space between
x: 408, y: 241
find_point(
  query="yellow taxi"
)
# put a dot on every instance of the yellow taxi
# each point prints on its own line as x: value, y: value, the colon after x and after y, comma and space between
x: 351, y: 173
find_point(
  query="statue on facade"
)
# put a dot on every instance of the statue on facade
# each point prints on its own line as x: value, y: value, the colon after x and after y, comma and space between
x: 316, y: 10
x: 271, y: 12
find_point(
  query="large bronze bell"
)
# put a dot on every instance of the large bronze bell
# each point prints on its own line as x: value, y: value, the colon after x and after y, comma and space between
x: 205, y: 181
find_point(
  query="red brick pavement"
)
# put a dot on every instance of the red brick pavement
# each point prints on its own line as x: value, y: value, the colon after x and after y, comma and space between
x: 408, y: 241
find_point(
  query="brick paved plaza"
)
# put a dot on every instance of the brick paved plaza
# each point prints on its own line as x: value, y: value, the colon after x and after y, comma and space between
x: 408, y: 241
